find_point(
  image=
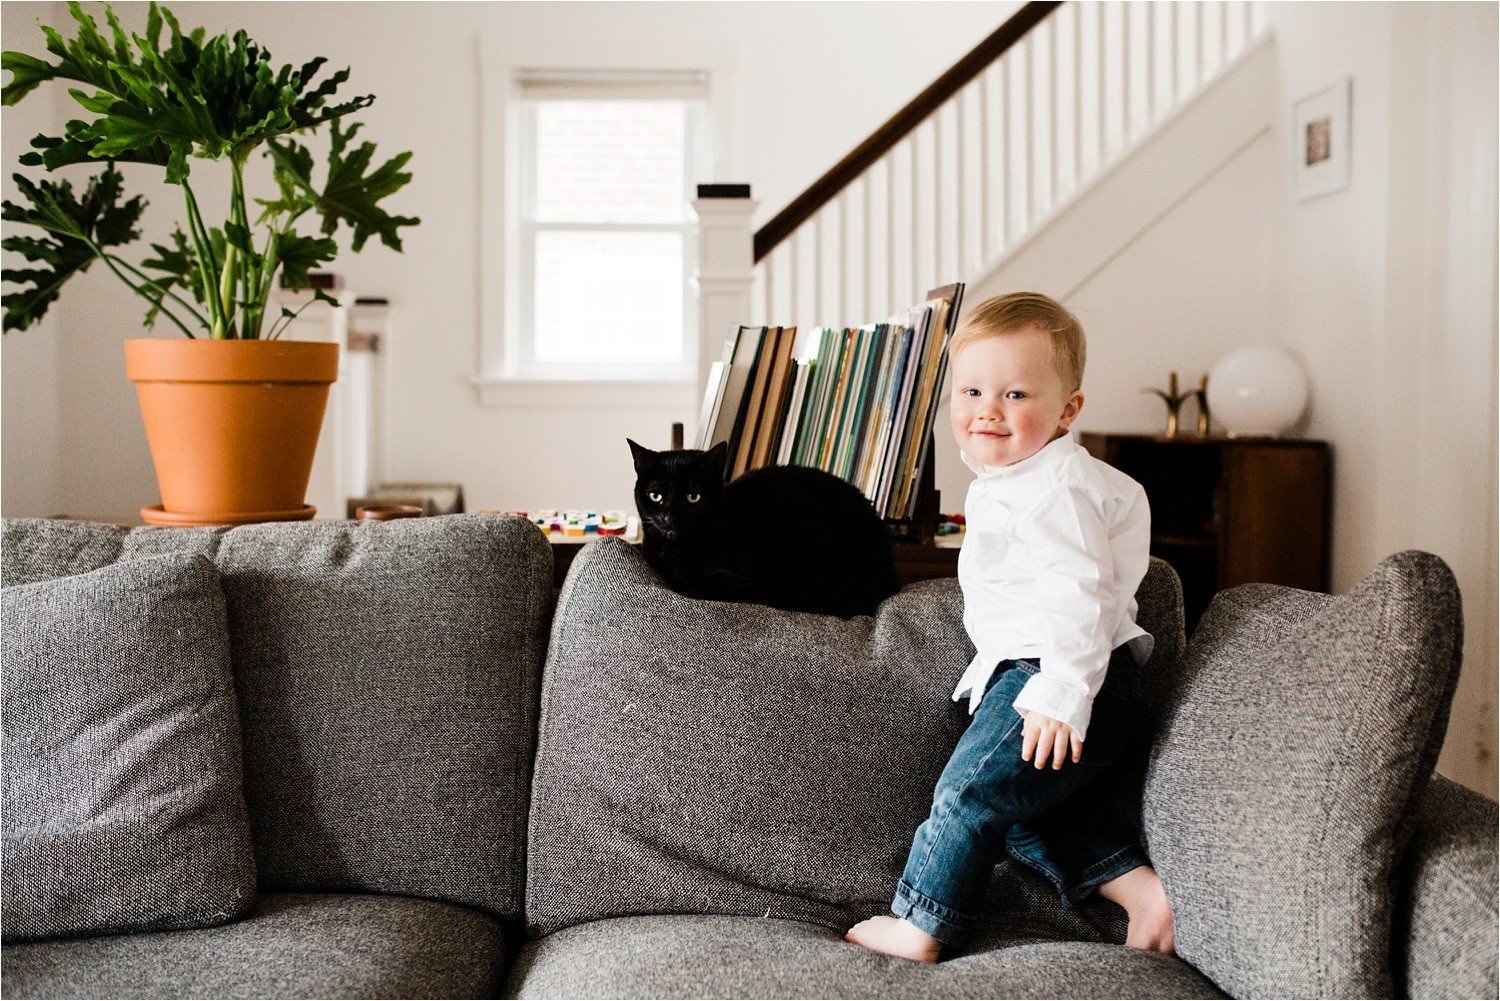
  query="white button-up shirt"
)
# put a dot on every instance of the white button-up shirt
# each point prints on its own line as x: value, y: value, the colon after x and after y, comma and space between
x: 1054, y: 550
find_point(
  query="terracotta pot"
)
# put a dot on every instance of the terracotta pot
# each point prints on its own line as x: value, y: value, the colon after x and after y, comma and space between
x: 233, y: 425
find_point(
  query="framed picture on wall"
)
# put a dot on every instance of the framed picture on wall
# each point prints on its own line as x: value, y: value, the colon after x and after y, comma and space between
x: 1320, y: 141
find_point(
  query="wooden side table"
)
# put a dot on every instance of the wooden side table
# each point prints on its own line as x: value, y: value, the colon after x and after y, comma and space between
x: 1228, y: 511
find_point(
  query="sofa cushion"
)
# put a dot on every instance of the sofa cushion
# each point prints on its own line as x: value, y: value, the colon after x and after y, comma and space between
x: 122, y: 802
x: 37, y: 549
x: 1447, y: 920
x: 291, y: 946
x: 387, y: 675
x: 723, y: 758
x: 1281, y: 794
x: 696, y: 956
x: 388, y: 678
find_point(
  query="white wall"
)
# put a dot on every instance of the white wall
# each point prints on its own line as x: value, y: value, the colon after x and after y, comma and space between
x: 809, y: 82
x: 30, y: 431
x: 1385, y: 291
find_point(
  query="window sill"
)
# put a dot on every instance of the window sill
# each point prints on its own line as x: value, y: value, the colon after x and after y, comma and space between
x: 574, y: 394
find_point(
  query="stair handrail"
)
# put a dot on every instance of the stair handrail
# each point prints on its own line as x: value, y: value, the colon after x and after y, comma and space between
x: 901, y: 124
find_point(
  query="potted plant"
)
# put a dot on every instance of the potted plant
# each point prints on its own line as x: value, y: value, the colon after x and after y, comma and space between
x: 232, y: 412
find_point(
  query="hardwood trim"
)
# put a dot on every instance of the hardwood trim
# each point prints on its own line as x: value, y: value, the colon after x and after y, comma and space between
x: 882, y: 140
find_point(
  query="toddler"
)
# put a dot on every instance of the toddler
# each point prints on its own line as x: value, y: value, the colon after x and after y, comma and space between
x: 1055, y: 548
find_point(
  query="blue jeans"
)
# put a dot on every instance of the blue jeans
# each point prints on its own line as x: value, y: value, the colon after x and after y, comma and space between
x: 988, y: 798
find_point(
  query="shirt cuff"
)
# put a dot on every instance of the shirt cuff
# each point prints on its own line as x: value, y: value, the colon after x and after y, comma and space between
x: 1063, y: 703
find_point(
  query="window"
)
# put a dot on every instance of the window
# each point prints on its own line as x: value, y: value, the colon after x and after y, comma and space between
x: 607, y: 168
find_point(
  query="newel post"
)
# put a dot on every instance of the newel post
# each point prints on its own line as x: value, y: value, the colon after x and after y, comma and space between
x: 726, y: 267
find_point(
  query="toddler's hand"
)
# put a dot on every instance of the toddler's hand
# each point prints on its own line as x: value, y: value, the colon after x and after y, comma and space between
x: 1049, y: 739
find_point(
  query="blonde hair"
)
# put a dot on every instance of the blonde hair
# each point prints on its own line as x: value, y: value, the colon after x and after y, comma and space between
x: 1008, y: 314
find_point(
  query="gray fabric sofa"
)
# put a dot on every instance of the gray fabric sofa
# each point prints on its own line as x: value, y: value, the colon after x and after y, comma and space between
x: 457, y: 783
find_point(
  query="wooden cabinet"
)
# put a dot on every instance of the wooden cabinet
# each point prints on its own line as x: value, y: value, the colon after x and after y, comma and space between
x: 1227, y: 511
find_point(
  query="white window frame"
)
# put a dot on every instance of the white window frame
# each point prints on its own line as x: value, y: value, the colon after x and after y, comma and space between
x: 506, y: 376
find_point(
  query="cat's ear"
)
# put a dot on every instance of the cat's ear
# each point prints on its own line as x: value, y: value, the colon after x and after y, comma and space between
x: 717, y: 459
x: 644, y: 458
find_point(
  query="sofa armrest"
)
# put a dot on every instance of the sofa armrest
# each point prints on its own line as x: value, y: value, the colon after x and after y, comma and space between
x: 1445, y: 936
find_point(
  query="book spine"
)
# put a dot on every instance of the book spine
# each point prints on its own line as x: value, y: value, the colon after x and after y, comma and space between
x: 857, y: 385
x: 756, y: 400
x: 944, y: 320
x: 879, y: 449
x: 827, y: 369
x: 811, y: 399
x: 736, y: 389
x: 868, y: 451
x: 829, y: 433
x: 869, y: 400
x: 903, y: 413
x: 794, y: 411
x: 922, y: 322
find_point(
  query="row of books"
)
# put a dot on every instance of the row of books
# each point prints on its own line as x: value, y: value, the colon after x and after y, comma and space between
x: 858, y: 402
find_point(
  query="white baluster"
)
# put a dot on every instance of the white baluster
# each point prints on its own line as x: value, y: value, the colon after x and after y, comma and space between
x: 1054, y: 158
x: 1028, y: 107
x: 1151, y: 62
x: 1077, y: 96
x: 817, y: 315
x: 983, y: 193
x: 792, y: 314
x: 911, y: 212
x: 1099, y: 54
x: 1247, y: 12
x: 1127, y: 50
x: 1172, y: 55
x: 1223, y: 36
x: 888, y: 248
x: 1007, y: 215
x: 1198, y: 13
x: 766, y: 270
x: 842, y: 253
x: 865, y: 244
x: 937, y: 194
x: 960, y: 217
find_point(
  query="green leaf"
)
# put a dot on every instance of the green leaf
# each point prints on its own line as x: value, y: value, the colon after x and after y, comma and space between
x: 302, y: 254
x: 27, y: 72
x: 239, y: 238
x: 65, y: 152
x: 292, y: 167
x: 74, y: 227
x: 172, y: 96
x: 350, y: 195
x: 176, y: 268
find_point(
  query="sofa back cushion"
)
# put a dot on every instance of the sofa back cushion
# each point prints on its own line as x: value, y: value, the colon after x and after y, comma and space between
x: 123, y: 809
x: 710, y: 757
x: 1302, y: 728
x: 387, y: 679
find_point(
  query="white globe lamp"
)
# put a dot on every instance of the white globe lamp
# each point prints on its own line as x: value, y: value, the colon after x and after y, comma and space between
x: 1258, y: 391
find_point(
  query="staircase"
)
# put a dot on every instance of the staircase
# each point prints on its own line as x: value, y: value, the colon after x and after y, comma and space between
x: 1048, y: 109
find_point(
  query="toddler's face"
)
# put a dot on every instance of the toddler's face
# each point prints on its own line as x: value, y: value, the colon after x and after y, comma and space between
x: 1008, y: 399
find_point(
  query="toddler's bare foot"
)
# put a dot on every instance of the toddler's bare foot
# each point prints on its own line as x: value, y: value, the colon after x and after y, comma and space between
x: 1140, y: 892
x: 895, y: 937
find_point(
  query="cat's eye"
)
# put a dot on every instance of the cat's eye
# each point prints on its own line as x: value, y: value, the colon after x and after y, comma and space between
x: 694, y: 498
x: 654, y: 498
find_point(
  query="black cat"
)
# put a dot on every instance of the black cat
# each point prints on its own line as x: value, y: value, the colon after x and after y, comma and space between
x: 786, y: 536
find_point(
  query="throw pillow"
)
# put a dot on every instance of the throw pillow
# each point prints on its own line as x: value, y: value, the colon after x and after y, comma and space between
x: 387, y: 675
x: 122, y: 799
x: 708, y: 757
x: 1302, y: 728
